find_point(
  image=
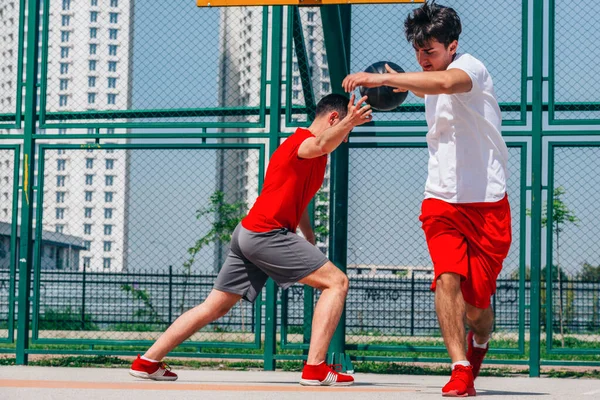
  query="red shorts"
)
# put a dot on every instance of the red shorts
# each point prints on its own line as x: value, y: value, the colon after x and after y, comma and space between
x: 471, y: 240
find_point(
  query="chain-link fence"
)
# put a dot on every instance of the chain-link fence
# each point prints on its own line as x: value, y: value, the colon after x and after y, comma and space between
x: 572, y: 90
x: 119, y: 256
x: 570, y: 220
x: 137, y: 65
x: 119, y: 209
x: 9, y: 158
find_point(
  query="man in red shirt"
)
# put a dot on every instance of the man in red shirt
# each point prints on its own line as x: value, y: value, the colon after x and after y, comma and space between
x: 265, y: 245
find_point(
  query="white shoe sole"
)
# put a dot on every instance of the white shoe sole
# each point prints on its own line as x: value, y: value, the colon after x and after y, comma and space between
x: 145, y: 375
x: 314, y: 382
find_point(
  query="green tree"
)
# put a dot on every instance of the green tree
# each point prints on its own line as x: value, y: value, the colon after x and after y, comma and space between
x: 561, y: 215
x: 321, y: 219
x: 589, y: 273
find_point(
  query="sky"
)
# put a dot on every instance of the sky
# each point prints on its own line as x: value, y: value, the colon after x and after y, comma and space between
x: 175, y: 61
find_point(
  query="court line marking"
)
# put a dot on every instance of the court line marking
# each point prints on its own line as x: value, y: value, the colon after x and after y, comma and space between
x: 171, y: 386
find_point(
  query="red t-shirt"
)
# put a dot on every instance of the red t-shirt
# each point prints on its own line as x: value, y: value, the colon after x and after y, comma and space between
x: 290, y: 184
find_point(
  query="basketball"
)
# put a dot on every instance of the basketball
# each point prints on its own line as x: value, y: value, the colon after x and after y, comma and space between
x: 383, y: 98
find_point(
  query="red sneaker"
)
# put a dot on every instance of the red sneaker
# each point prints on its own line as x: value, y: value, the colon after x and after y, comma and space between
x: 475, y: 355
x: 158, y: 371
x: 324, y: 375
x: 461, y: 383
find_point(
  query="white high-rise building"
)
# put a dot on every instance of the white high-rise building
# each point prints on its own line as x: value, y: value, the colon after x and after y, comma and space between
x: 239, y: 85
x: 89, y: 67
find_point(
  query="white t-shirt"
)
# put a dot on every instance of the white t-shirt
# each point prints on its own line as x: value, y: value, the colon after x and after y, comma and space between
x: 467, y: 155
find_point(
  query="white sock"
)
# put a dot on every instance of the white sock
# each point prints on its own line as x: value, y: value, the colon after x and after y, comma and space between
x: 480, y: 346
x: 148, y: 359
x: 464, y: 363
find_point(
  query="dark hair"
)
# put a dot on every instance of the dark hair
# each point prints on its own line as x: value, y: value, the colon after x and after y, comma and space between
x: 332, y: 102
x: 432, y: 21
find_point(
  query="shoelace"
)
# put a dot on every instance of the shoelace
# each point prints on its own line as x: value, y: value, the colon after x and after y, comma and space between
x: 457, y: 376
x: 164, y: 365
x: 335, y: 367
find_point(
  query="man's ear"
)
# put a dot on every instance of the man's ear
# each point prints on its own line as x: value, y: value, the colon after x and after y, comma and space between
x: 453, y: 47
x: 332, y: 117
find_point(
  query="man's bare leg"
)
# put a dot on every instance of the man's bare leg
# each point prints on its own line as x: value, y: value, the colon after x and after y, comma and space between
x: 333, y: 284
x: 216, y: 305
x: 450, y: 309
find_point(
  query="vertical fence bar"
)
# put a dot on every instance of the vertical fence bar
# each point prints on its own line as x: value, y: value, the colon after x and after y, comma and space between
x: 412, y: 304
x: 26, y: 244
x: 83, y: 297
x: 274, y: 128
x: 170, y: 294
x: 536, y: 184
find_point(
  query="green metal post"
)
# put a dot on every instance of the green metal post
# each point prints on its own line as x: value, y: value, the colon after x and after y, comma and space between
x: 336, y: 21
x: 536, y: 186
x: 274, y: 128
x: 26, y: 244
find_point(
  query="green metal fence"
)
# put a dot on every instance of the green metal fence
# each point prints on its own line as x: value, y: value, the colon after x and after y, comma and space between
x: 137, y: 124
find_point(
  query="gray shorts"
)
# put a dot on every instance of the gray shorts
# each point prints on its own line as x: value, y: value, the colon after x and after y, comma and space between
x: 255, y: 256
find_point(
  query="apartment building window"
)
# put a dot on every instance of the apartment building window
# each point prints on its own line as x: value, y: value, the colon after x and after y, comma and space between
x: 310, y: 16
x: 111, y: 98
x: 66, y: 4
x: 93, y: 16
x: 88, y: 195
x: 87, y: 244
x: 295, y: 94
x: 113, y: 34
x: 296, y: 80
x: 108, y: 197
x: 108, y: 229
x: 109, y: 180
x: 60, y: 197
x: 60, y: 213
x: 107, y: 245
x: 59, y: 228
x: 89, y: 179
x: 89, y: 163
x: 86, y: 262
x: 87, y: 212
x: 114, y: 3
x: 64, y: 52
x: 112, y: 66
x: 112, y: 49
x: 106, y: 263
x: 110, y: 163
x: 94, y: 3
x: 66, y: 20
x: 108, y: 212
x: 325, y: 72
x: 87, y: 229
x: 325, y: 86
x: 64, y: 36
x: 114, y: 17
x: 112, y: 83
x: 92, y: 65
x: 91, y: 98
x: 324, y: 58
x: 93, y: 48
x: 64, y: 84
x: 60, y: 165
x: 64, y: 68
x: 91, y: 81
x: 60, y: 180
x: 93, y: 33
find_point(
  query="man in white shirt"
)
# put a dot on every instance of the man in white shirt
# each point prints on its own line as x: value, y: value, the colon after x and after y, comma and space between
x: 465, y: 215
